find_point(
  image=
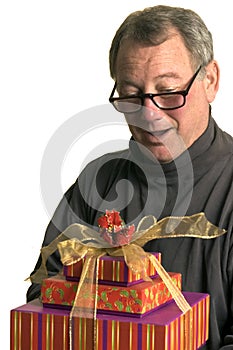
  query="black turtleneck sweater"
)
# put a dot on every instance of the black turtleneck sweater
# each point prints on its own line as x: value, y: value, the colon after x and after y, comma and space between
x: 200, y: 180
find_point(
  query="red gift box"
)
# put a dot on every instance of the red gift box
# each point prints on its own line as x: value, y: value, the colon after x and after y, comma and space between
x: 112, y: 270
x: 137, y: 299
x: 34, y: 327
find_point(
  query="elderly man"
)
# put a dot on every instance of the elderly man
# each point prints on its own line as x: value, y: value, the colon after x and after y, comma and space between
x: 179, y: 162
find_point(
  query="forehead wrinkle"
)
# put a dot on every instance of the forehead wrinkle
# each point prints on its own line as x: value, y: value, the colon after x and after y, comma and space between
x: 134, y: 82
x: 132, y: 72
x: 169, y: 75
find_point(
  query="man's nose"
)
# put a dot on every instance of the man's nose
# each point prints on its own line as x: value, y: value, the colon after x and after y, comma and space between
x: 150, y: 111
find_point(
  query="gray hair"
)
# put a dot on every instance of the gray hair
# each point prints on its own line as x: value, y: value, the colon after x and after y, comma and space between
x: 154, y: 25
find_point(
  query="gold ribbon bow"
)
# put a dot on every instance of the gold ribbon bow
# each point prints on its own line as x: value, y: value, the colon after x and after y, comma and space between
x: 79, y: 241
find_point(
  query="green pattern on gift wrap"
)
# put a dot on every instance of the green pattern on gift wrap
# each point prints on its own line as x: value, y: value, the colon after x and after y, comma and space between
x: 48, y: 292
x: 61, y: 292
x: 104, y: 296
x: 109, y: 306
x: 133, y: 293
x: 75, y: 288
x: 124, y: 293
x: 128, y: 308
x: 88, y: 295
x: 119, y: 305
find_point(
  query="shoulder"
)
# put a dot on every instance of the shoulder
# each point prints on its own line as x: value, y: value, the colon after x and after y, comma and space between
x: 222, y: 145
x: 225, y: 139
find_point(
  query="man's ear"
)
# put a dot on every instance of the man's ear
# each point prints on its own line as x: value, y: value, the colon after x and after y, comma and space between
x: 211, y: 80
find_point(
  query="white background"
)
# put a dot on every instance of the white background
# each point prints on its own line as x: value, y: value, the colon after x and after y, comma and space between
x: 54, y: 56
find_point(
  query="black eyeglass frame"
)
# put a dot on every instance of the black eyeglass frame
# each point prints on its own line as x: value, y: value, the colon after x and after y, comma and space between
x: 142, y: 97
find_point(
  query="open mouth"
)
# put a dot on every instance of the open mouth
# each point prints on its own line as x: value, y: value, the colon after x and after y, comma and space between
x: 159, y: 133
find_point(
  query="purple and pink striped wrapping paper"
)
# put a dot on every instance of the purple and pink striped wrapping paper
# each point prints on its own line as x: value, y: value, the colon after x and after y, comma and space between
x: 36, y: 328
x: 112, y: 270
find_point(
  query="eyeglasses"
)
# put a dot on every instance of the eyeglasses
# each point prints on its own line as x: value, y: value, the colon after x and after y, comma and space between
x: 164, y: 101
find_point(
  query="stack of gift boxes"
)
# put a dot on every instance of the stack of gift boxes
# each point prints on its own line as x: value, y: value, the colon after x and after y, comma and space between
x: 132, y: 314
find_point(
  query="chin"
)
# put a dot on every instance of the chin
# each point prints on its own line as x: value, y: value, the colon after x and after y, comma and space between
x: 160, y: 152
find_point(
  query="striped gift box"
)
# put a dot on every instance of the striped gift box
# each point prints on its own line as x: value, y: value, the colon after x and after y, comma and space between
x: 34, y: 327
x: 138, y: 299
x: 112, y: 270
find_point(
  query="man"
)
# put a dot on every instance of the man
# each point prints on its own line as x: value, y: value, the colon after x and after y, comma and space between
x: 179, y: 162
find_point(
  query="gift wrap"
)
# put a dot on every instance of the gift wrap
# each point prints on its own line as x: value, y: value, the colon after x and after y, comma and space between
x: 137, y: 299
x: 112, y: 270
x: 34, y: 327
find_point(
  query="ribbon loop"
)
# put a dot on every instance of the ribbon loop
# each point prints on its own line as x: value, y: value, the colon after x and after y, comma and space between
x: 137, y: 260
